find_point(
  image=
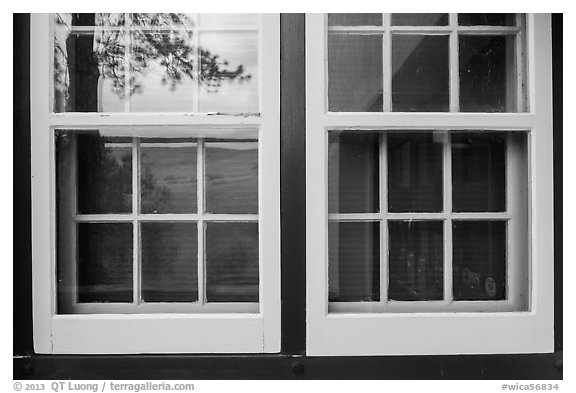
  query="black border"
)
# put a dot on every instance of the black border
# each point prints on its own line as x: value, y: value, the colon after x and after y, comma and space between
x: 292, y: 362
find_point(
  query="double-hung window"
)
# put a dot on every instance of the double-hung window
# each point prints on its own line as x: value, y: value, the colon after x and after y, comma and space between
x: 155, y: 160
x: 429, y: 205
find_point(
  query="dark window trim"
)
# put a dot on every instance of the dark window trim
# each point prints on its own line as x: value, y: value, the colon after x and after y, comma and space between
x: 292, y: 362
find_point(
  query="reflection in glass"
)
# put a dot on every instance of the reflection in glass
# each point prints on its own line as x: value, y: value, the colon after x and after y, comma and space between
x: 479, y: 172
x: 353, y: 172
x: 104, y: 262
x: 231, y: 177
x: 416, y: 260
x: 487, y: 73
x: 168, y: 177
x: 419, y: 19
x: 354, y: 73
x: 353, y: 261
x: 169, y: 262
x: 104, y: 173
x: 487, y: 19
x: 420, y: 80
x: 229, y: 72
x: 90, y: 70
x: 414, y: 172
x: 479, y: 261
x: 354, y: 19
x: 162, y: 84
x: 232, y: 262
x: 215, y: 21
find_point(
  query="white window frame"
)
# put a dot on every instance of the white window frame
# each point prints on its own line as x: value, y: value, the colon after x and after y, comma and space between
x: 423, y: 332
x: 215, y: 332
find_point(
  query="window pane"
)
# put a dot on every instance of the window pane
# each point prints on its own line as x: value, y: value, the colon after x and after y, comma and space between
x: 353, y: 172
x: 416, y: 260
x: 104, y: 262
x: 478, y: 172
x: 84, y: 19
x: 487, y: 74
x: 169, y: 262
x: 419, y: 19
x: 168, y: 177
x: 231, y: 177
x: 104, y: 171
x: 414, y: 172
x: 479, y: 260
x: 354, y: 261
x: 88, y: 70
x: 229, y: 72
x: 355, y: 73
x: 420, y: 80
x: 163, y: 71
x: 215, y: 21
x: 354, y: 19
x: 487, y: 19
x: 232, y: 262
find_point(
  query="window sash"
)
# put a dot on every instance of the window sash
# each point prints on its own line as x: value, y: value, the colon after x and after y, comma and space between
x: 237, y: 333
x: 470, y: 332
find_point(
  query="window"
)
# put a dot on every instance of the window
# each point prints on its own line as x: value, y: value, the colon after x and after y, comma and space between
x: 156, y: 183
x: 428, y: 141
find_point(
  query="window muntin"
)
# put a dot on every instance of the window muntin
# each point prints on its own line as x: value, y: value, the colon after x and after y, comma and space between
x: 435, y: 193
x: 156, y: 221
x: 426, y: 63
x: 156, y: 63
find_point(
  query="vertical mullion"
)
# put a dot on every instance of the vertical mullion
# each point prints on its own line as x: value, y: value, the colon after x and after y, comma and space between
x: 447, y: 189
x: 196, y: 64
x: 454, y: 72
x: 136, y: 260
x: 127, y: 70
x: 387, y: 64
x: 201, y: 229
x: 383, y: 220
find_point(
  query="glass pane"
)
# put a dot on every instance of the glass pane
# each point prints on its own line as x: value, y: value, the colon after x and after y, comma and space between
x: 355, y: 73
x: 169, y: 262
x: 414, y: 172
x: 479, y: 172
x: 232, y: 262
x: 479, y: 260
x: 168, y: 177
x: 487, y: 19
x: 106, y: 20
x: 354, y: 261
x: 231, y: 177
x: 104, y: 172
x: 163, y: 71
x: 354, y: 19
x: 88, y: 70
x: 420, y: 80
x: 419, y: 19
x: 353, y: 172
x: 159, y: 21
x: 215, y: 21
x: 416, y: 260
x: 104, y: 262
x: 229, y: 72
x: 487, y: 73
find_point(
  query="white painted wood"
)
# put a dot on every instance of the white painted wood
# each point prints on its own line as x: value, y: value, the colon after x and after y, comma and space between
x: 156, y: 327
x: 454, y: 61
x: 157, y: 333
x: 432, y: 328
x: 43, y: 248
x: 269, y: 181
x: 201, y: 228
